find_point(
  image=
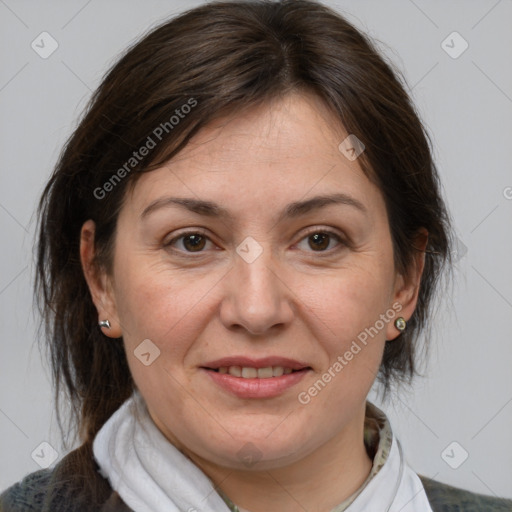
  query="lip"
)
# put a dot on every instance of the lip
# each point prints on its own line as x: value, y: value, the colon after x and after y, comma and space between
x: 256, y: 363
x: 256, y: 388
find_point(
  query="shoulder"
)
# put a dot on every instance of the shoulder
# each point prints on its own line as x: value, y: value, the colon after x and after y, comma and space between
x: 74, y: 485
x: 445, y: 498
x: 27, y: 495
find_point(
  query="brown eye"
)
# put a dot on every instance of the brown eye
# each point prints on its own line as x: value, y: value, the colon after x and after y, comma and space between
x: 191, y: 242
x: 319, y: 241
x: 194, y: 243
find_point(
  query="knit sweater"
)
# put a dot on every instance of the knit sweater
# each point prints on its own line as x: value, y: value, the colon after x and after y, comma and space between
x: 75, y: 485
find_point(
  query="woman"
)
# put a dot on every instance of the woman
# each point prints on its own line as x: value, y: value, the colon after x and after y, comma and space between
x: 242, y: 234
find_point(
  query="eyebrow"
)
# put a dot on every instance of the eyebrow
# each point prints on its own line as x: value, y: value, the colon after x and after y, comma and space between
x: 292, y: 210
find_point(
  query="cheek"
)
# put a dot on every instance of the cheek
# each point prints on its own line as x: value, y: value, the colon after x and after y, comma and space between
x: 352, y: 301
x: 168, y: 310
x: 165, y: 307
x: 347, y: 310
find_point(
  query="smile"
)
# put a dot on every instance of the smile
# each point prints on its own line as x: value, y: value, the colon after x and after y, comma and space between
x: 247, y: 372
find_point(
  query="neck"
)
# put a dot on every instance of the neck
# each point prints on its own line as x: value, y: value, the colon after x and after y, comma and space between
x: 318, y: 482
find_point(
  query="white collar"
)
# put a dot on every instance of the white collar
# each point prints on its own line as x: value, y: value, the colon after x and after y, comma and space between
x: 395, y: 488
x: 152, y: 475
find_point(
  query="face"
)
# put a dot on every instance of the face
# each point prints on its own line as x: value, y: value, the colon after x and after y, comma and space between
x: 258, y: 251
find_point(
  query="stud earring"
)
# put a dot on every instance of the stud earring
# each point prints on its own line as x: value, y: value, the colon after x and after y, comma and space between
x: 104, y: 323
x: 400, y: 323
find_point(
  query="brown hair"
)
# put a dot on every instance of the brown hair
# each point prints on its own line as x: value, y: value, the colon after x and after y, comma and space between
x: 221, y: 58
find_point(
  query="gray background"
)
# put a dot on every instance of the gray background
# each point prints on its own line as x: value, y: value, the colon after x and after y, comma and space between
x: 466, y: 104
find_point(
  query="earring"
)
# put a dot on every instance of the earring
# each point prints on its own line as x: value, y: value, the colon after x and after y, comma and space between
x: 400, y: 323
x: 104, y: 323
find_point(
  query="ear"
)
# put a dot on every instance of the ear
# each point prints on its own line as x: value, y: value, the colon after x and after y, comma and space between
x: 407, y: 285
x: 99, y: 282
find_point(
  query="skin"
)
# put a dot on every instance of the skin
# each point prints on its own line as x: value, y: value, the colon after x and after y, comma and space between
x: 295, y: 300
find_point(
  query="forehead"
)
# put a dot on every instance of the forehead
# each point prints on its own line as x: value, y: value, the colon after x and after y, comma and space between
x: 266, y: 156
x: 294, y: 127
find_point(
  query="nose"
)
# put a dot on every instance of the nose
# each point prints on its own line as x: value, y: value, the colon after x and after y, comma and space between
x: 257, y: 297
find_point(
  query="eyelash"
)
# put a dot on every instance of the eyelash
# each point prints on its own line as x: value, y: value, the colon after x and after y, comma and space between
x: 313, y: 231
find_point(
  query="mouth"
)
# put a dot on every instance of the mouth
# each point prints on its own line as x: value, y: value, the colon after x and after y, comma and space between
x: 262, y: 368
x: 256, y: 378
x: 248, y: 372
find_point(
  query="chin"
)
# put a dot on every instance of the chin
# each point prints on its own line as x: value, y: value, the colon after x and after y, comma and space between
x: 257, y: 451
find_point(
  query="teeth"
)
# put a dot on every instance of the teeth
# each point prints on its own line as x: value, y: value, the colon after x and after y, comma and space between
x: 236, y: 371
x: 249, y: 373
x: 265, y: 373
x: 255, y: 373
x: 277, y: 371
